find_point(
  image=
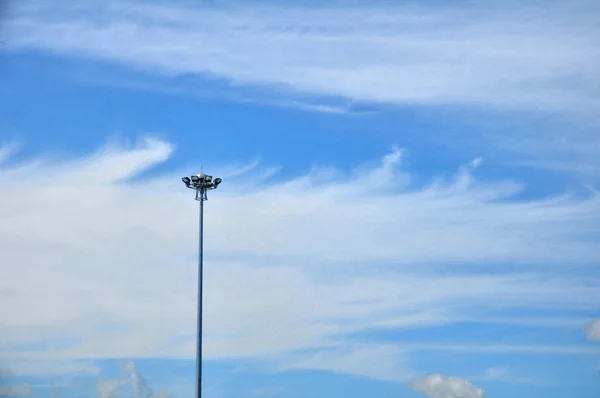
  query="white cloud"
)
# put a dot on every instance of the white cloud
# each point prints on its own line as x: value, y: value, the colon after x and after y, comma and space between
x: 506, y: 56
x: 496, y: 372
x: 499, y: 56
x: 103, y: 266
x: 440, y: 386
x: 505, y: 374
x: 112, y: 388
x: 138, y: 381
x: 49, y: 367
x: 376, y: 361
x: 593, y: 330
x: 508, y: 348
x: 108, y: 388
x: 266, y: 391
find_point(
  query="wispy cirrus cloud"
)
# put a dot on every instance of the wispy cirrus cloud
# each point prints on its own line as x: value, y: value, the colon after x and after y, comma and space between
x: 507, y: 55
x: 506, y: 374
x: 46, y: 367
x: 358, y: 257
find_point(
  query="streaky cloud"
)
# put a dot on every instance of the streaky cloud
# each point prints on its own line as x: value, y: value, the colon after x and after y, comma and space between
x: 345, y: 258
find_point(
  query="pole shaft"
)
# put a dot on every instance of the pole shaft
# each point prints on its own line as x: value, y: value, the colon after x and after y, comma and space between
x: 199, y: 330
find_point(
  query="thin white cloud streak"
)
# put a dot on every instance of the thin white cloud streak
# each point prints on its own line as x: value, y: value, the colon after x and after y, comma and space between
x: 505, y: 374
x: 47, y: 367
x: 508, y: 348
x: 107, y: 268
x: 515, y: 56
x: 440, y: 386
x: 495, y: 373
x: 375, y: 361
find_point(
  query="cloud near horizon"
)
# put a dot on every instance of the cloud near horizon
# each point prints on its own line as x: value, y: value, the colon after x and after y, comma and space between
x: 291, y: 269
x: 440, y: 386
x: 132, y: 380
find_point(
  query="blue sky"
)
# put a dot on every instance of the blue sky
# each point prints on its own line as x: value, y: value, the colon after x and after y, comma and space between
x: 410, y: 202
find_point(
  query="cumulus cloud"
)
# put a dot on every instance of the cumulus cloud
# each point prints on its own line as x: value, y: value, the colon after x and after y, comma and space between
x: 116, y: 255
x: 439, y: 386
x: 593, y: 330
x: 138, y: 381
x: 108, y: 388
x: 105, y: 388
x: 134, y: 378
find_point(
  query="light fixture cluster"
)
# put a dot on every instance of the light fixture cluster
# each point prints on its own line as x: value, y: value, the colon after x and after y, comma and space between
x: 201, y: 183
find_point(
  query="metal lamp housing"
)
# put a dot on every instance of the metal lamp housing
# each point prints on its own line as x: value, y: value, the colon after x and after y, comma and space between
x: 201, y: 183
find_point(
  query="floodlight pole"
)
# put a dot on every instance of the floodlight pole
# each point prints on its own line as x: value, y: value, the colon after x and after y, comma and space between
x: 202, y: 193
x: 201, y: 183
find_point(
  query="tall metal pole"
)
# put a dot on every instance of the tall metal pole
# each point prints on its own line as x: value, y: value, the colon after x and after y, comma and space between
x: 201, y: 183
x: 199, y: 330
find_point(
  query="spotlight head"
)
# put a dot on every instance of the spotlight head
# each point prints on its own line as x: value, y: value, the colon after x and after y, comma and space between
x: 195, y: 179
x: 218, y: 181
x: 186, y: 180
x: 207, y: 178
